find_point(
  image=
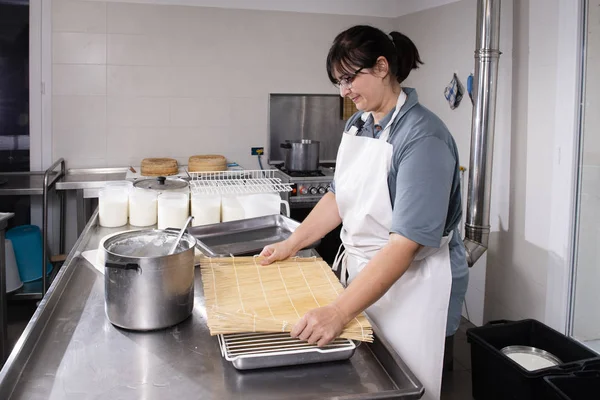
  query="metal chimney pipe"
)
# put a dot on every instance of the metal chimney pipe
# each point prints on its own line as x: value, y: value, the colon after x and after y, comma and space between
x: 485, y: 82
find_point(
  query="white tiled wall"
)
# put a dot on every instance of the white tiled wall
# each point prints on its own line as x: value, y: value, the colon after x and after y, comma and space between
x: 133, y: 80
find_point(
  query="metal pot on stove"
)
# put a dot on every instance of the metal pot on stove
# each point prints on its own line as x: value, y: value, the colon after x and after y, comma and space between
x: 145, y: 288
x: 301, y: 155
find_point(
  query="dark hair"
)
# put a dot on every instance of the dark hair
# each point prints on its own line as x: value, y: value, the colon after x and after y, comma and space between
x: 361, y: 45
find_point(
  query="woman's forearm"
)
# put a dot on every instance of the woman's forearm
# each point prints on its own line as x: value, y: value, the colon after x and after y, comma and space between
x: 384, y: 269
x: 323, y: 218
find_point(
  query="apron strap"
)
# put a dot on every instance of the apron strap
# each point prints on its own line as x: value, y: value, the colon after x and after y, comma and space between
x: 340, y: 259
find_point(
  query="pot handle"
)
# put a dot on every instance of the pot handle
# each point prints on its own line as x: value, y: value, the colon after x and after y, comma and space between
x: 205, y: 249
x: 125, y: 266
x: 286, y: 145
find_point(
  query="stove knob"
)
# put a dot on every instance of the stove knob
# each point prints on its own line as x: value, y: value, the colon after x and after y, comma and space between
x: 303, y: 190
x: 313, y: 190
x: 322, y: 190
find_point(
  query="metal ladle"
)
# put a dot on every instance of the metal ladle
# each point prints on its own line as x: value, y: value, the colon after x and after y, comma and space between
x: 180, y: 235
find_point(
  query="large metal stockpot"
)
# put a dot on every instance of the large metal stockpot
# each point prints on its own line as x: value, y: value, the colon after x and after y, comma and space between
x: 146, y: 289
x: 301, y: 155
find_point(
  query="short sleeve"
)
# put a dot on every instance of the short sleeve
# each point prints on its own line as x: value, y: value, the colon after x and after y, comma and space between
x: 423, y: 187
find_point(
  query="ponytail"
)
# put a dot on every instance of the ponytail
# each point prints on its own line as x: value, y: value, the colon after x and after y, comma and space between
x: 408, y: 55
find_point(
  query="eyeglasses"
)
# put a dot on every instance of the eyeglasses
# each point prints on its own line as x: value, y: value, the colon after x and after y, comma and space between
x: 346, y: 83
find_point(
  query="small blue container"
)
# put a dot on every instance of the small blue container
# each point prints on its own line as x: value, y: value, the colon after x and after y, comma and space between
x: 27, y: 244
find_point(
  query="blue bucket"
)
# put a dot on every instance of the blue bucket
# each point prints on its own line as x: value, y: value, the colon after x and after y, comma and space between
x: 27, y: 244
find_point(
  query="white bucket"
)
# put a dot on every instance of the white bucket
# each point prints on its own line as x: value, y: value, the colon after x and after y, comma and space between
x: 13, y: 280
x: 232, y: 208
x: 206, y: 209
x: 262, y: 204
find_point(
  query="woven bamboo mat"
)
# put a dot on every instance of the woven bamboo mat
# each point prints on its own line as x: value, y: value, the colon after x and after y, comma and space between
x: 243, y: 296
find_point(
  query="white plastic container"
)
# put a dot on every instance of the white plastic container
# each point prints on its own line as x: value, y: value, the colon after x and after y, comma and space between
x: 13, y: 280
x: 113, y: 206
x: 143, y: 207
x: 206, y: 209
x: 232, y: 208
x: 173, y: 209
x: 261, y: 204
x: 125, y: 185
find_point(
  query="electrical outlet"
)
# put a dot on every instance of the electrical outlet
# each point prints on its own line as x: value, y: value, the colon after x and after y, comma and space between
x: 257, y: 151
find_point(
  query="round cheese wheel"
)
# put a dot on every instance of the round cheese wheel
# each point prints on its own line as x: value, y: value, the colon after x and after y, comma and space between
x: 209, y: 162
x: 159, y: 167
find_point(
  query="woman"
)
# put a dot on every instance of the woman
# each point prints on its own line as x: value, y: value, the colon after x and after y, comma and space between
x: 397, y: 193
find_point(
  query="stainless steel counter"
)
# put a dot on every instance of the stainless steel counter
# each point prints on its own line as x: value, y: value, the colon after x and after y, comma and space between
x: 22, y: 183
x: 90, y: 179
x: 70, y: 350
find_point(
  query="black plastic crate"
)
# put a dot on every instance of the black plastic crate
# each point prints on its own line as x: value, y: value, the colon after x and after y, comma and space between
x: 580, y: 385
x: 495, y: 376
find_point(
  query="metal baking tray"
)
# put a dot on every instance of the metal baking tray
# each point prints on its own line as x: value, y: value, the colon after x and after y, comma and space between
x: 267, y: 350
x: 244, y: 237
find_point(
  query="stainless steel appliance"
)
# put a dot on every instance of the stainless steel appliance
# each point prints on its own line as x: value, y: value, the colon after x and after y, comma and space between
x: 307, y: 186
x: 307, y: 117
x: 301, y: 155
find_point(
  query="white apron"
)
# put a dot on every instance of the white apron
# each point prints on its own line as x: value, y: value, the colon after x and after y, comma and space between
x: 412, y: 314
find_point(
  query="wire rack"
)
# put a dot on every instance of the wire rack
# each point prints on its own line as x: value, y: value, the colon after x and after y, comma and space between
x: 237, y: 182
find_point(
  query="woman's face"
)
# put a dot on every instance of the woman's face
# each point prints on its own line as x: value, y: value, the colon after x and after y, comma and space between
x: 366, y: 88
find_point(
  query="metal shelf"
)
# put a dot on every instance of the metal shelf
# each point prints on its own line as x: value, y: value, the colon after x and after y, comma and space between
x: 237, y: 182
x: 29, y: 291
x: 36, y: 183
x: 22, y: 183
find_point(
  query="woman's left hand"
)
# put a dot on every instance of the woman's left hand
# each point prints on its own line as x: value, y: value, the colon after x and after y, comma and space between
x: 320, y: 325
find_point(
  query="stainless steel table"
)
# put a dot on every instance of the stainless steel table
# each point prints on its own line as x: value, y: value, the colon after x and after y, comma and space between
x: 69, y: 350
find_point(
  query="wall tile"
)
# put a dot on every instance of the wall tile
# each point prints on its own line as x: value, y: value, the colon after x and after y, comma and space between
x: 204, y: 111
x: 78, y: 48
x: 79, y: 127
x: 138, y: 111
x: 138, y: 50
x: 78, y: 16
x: 138, y: 18
x: 192, y: 49
x: 206, y: 81
x: 78, y: 112
x: 139, y: 81
x: 70, y: 79
x: 250, y: 110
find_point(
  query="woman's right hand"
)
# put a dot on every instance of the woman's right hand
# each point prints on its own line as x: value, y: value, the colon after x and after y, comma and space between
x: 276, y: 252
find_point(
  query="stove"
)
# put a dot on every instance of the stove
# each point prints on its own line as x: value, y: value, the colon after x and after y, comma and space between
x: 307, y: 186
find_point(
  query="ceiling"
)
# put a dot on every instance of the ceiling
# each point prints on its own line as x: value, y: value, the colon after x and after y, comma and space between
x: 375, y: 8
